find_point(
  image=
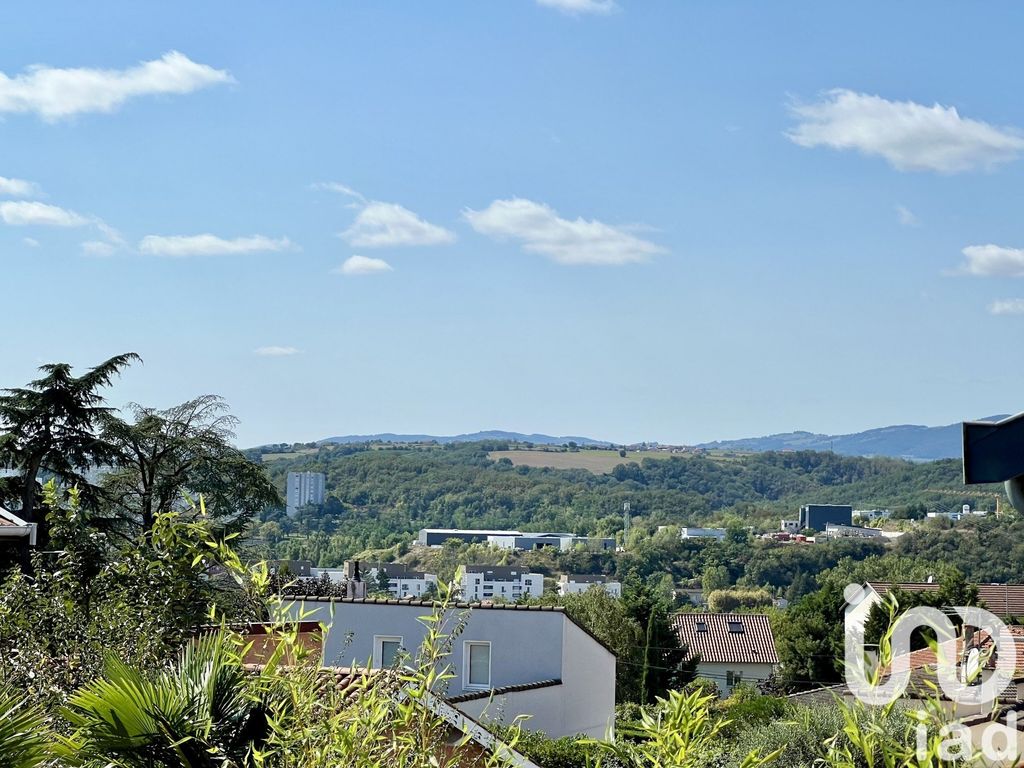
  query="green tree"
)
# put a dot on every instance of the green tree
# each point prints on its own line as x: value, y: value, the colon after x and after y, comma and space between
x: 714, y: 578
x: 51, y: 426
x: 665, y: 663
x: 165, y: 456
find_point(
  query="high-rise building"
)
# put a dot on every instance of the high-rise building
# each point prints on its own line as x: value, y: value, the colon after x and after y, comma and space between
x: 304, y: 488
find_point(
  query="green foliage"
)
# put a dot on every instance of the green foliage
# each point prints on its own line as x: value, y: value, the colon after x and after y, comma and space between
x: 728, y: 600
x: 24, y: 732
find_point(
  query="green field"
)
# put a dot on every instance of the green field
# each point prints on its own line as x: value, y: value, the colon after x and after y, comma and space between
x: 598, y: 461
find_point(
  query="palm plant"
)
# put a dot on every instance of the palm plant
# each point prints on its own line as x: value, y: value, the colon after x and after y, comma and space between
x: 24, y: 738
x: 199, y: 713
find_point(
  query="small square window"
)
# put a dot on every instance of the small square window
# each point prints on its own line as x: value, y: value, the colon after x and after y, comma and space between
x: 701, y: 626
x: 736, y: 627
x: 387, y: 651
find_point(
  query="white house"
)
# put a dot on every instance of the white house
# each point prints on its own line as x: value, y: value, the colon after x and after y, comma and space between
x: 577, y: 584
x: 506, y: 660
x: 402, y: 582
x: 718, y: 534
x: 488, y: 582
x: 16, y: 530
x: 733, y: 648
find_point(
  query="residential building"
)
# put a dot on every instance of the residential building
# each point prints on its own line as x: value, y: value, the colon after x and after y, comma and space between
x: 297, y: 569
x: 817, y: 516
x: 15, y: 530
x: 718, y: 534
x: 694, y: 594
x: 789, y: 526
x: 475, y: 741
x: 733, y: 648
x: 304, y: 488
x: 872, y: 514
x: 490, y: 582
x: 402, y: 582
x: 507, y: 661
x: 577, y: 584
x: 1004, y: 600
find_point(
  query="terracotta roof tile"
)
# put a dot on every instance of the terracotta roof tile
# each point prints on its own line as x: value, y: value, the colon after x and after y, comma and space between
x: 727, y: 638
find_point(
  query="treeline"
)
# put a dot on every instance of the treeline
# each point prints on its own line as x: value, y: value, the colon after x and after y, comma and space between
x: 379, y: 497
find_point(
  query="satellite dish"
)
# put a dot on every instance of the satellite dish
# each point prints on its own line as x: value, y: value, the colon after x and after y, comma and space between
x: 970, y: 666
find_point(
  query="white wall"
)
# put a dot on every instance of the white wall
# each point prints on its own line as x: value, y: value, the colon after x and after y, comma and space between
x: 718, y: 673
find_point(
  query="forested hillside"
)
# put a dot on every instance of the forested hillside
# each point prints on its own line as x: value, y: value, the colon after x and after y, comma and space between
x: 380, y: 496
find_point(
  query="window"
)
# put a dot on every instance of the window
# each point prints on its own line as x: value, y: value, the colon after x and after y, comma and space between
x: 733, y: 678
x: 386, y: 650
x: 701, y: 626
x: 736, y: 627
x: 477, y: 664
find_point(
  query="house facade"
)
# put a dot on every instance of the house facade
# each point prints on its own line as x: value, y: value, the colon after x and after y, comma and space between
x: 577, y: 584
x: 490, y: 582
x: 402, y: 581
x: 506, y: 660
x: 733, y: 648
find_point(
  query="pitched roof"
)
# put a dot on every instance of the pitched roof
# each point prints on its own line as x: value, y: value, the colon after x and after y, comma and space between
x: 727, y: 638
x: 1000, y: 599
x: 487, y: 606
x: 473, y: 695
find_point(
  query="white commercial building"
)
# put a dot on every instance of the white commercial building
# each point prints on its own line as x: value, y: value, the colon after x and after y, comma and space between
x: 718, y: 534
x: 490, y: 582
x: 402, y: 582
x: 577, y: 584
x: 304, y: 488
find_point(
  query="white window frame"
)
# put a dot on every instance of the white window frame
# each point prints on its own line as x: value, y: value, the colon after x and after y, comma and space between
x: 466, y: 685
x: 378, y: 648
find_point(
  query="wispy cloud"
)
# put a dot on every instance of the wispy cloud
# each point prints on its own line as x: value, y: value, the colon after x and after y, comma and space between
x: 273, y: 351
x: 210, y: 245
x: 18, y: 188
x: 993, y: 261
x: 574, y: 242
x: 1007, y: 307
x: 341, y: 189
x: 363, y: 265
x: 31, y: 242
x: 28, y: 213
x: 54, y: 93
x: 910, y: 136
x: 907, y: 217
x: 579, y: 7
x: 384, y: 225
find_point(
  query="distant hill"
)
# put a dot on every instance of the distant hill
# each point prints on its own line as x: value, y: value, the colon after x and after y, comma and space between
x: 517, y: 437
x: 908, y: 441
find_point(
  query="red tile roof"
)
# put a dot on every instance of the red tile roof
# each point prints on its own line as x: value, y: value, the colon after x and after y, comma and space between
x: 1001, y: 599
x: 727, y: 638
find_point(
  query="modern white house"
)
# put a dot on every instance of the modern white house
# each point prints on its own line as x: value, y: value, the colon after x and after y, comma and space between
x: 505, y: 660
x: 304, y: 488
x: 577, y: 584
x: 718, y: 534
x: 402, y: 582
x: 733, y: 648
x: 489, y: 582
x: 1004, y: 600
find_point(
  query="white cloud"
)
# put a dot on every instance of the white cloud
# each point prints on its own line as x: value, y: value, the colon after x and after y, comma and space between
x: 24, y: 213
x: 275, y: 351
x: 577, y: 7
x: 907, y: 217
x: 209, y: 245
x: 341, y: 189
x: 31, y: 242
x: 18, y: 188
x: 542, y: 230
x: 1007, y: 307
x: 382, y: 225
x: 910, y: 136
x: 363, y: 265
x: 54, y: 93
x: 993, y: 261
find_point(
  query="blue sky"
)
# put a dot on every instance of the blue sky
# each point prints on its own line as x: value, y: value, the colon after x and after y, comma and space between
x: 634, y: 220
